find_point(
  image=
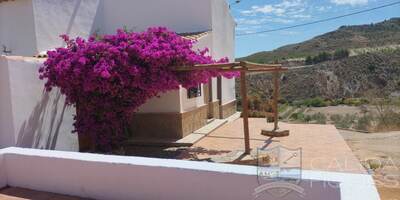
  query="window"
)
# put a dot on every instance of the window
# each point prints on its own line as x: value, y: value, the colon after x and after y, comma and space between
x: 194, y: 92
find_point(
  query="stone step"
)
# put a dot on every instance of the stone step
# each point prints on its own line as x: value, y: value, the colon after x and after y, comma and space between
x: 207, y: 129
x: 202, y: 132
x: 234, y: 117
x: 210, y: 120
x: 191, y: 139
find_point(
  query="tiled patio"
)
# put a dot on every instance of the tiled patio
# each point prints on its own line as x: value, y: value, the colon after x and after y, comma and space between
x: 25, y: 194
x: 323, y: 148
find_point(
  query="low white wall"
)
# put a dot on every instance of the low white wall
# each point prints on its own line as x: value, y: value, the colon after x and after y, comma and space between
x: 3, y: 177
x: 118, y: 177
x: 29, y: 116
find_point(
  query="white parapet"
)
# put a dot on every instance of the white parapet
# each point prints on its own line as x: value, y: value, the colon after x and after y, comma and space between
x: 3, y: 177
x: 118, y: 177
x: 29, y: 116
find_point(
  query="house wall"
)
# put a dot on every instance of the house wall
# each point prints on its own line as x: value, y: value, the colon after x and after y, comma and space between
x: 167, y: 103
x: 31, y: 117
x: 177, y: 15
x: 193, y: 103
x: 17, y: 30
x: 29, y: 27
x: 117, y: 177
x: 55, y: 17
x: 223, y: 26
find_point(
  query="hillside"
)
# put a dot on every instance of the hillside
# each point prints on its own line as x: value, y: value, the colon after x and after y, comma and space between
x: 346, y: 37
x: 374, y: 70
x: 357, y: 76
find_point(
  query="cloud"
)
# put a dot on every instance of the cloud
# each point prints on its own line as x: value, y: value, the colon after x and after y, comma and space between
x: 279, y: 9
x: 350, y: 2
x: 323, y: 8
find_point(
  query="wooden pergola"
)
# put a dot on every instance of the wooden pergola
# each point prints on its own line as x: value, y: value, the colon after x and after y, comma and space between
x: 244, y: 68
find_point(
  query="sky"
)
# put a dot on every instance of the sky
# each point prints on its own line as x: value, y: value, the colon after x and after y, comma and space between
x: 258, y: 15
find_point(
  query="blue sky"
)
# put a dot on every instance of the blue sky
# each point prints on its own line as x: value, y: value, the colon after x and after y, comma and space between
x: 258, y: 15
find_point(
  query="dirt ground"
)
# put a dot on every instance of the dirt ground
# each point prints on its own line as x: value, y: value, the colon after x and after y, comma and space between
x: 335, y: 110
x: 381, y: 153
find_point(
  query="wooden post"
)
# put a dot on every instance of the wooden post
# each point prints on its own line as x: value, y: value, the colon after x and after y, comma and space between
x: 275, y: 131
x: 245, y: 112
x: 276, y: 98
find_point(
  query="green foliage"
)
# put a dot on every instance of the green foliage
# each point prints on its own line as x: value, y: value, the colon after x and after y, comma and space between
x: 319, y: 118
x: 355, y: 101
x: 371, y: 67
x: 364, y: 123
x: 343, y: 122
x: 314, y: 102
x: 322, y: 57
x: 297, y: 116
x: 309, y: 60
x: 340, y: 54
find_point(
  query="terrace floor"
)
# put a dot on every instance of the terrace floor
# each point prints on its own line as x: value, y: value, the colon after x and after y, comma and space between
x: 323, y: 148
x: 12, y: 193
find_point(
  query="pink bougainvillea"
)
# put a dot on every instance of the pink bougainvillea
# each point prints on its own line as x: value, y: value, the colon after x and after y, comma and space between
x: 108, y: 78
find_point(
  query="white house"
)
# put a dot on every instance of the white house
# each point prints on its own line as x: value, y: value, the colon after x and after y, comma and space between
x: 31, y: 118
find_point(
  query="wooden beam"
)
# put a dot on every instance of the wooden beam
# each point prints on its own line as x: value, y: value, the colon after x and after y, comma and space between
x: 207, y: 66
x: 235, y: 66
x: 277, y: 69
x: 245, y: 111
x: 256, y: 65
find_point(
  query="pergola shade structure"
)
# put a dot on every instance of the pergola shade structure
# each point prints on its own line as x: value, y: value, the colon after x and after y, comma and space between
x: 244, y: 68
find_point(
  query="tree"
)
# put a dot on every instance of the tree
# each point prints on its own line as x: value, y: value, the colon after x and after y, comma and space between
x: 107, y: 79
x: 340, y: 54
x: 309, y: 60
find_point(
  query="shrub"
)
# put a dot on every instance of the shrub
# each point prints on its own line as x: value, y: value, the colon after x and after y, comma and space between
x: 364, y: 123
x: 319, y: 118
x: 355, y: 101
x: 315, y: 102
x: 309, y: 60
x: 336, y: 118
x: 322, y: 57
x: 298, y: 116
x: 107, y: 79
x: 343, y: 122
x: 341, y: 53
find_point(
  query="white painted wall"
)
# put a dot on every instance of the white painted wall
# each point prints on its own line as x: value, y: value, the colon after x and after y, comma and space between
x: 17, y: 28
x: 29, y: 27
x: 55, y: 17
x: 3, y: 175
x: 223, y: 26
x: 117, y: 177
x: 29, y: 116
x: 138, y: 15
x: 167, y: 102
x: 193, y: 103
x: 6, y: 118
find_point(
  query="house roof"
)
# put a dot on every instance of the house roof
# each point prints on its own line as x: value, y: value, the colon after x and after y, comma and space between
x: 194, y: 35
x: 188, y: 35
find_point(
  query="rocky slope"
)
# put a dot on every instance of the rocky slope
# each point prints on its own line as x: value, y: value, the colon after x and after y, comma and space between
x: 346, y: 37
x: 364, y: 74
x: 357, y: 76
